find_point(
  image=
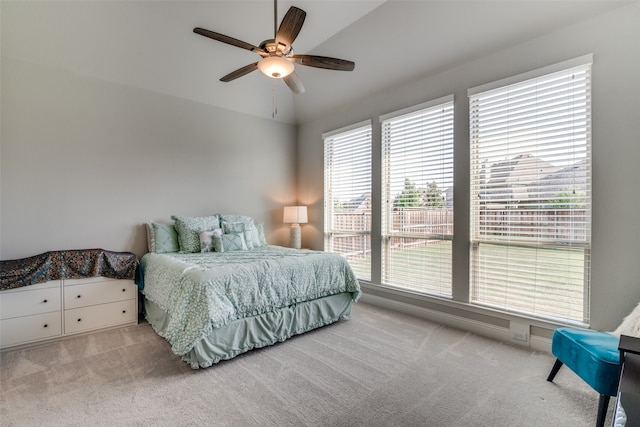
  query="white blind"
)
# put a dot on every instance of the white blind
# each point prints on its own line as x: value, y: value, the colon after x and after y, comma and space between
x: 531, y: 195
x: 347, y: 198
x: 417, y: 182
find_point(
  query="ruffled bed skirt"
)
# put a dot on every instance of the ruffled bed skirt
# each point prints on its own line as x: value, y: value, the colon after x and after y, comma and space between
x: 266, y: 329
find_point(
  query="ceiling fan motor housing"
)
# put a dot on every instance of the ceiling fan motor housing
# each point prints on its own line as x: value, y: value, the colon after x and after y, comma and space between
x: 270, y: 46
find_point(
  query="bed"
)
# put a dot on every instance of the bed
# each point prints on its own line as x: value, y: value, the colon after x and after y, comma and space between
x: 214, y: 305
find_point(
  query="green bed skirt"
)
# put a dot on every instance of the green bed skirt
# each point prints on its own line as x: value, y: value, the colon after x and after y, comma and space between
x: 266, y: 329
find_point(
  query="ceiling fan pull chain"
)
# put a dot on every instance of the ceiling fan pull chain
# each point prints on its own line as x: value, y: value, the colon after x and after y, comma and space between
x: 274, y: 99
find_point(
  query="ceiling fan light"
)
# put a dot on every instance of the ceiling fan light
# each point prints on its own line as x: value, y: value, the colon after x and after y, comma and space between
x: 275, y: 67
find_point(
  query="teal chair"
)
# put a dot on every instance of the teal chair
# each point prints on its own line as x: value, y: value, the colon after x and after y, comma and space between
x: 593, y: 356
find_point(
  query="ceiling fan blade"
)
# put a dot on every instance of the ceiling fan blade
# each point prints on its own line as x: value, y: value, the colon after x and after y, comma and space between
x: 240, y: 72
x: 290, y: 27
x: 229, y: 40
x: 324, y: 62
x: 294, y: 83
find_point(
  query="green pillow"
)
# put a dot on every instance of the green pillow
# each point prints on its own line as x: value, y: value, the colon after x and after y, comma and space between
x: 162, y: 238
x: 240, y: 227
x: 252, y: 236
x: 229, y: 242
x: 188, y: 228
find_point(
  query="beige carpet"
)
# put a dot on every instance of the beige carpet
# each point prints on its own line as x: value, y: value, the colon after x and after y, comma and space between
x: 380, y: 368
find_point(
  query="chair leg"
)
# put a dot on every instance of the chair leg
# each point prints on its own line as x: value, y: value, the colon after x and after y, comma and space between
x: 603, y: 405
x: 554, y: 370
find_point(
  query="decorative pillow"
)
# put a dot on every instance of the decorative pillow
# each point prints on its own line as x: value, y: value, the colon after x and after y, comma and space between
x: 188, y: 229
x: 235, y: 218
x: 206, y: 239
x: 162, y: 238
x: 260, y: 232
x: 233, y: 227
x: 240, y: 227
x: 252, y: 236
x: 229, y: 242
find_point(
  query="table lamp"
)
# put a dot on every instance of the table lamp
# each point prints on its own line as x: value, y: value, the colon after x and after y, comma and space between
x: 295, y: 215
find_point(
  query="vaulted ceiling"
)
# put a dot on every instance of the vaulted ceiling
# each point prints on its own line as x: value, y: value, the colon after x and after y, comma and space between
x: 151, y: 44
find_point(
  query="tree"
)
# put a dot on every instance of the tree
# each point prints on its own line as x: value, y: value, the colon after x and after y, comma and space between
x: 410, y: 197
x: 432, y: 196
x: 569, y: 199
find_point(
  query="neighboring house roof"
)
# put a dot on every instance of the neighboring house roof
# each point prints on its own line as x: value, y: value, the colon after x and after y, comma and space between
x: 527, y: 177
x: 362, y: 202
x: 521, y: 170
x: 569, y: 178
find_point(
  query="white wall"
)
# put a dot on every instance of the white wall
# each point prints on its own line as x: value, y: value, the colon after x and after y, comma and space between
x: 84, y: 162
x: 614, y: 39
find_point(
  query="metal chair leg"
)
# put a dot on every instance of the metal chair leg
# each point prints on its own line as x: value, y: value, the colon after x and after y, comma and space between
x: 554, y: 370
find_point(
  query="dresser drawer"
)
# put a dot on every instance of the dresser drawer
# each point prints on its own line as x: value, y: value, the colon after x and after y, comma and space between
x: 34, y: 299
x: 83, y: 294
x: 100, y: 316
x: 24, y: 329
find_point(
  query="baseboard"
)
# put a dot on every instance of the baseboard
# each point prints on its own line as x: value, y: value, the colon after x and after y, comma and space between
x: 484, y: 329
x: 540, y: 344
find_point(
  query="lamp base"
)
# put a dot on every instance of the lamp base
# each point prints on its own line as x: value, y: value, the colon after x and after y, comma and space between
x: 296, y: 237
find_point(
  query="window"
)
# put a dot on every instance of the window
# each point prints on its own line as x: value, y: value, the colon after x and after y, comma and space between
x: 347, y: 195
x: 531, y: 192
x: 417, y: 199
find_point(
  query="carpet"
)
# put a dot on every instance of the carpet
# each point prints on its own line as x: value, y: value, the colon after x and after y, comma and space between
x: 380, y: 368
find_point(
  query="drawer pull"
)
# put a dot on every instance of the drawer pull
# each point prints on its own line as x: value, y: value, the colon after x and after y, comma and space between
x: 124, y: 290
x: 78, y: 296
x: 44, y: 301
x: 45, y: 325
x: 79, y: 320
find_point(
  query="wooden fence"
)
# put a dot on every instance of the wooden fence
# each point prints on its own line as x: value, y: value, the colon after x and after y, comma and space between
x: 351, y: 240
x: 543, y: 224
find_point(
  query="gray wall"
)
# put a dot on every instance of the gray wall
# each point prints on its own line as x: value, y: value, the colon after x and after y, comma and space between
x: 84, y: 163
x: 614, y: 39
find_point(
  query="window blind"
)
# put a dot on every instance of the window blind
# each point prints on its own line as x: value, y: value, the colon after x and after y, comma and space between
x: 531, y: 195
x: 347, y: 198
x: 417, y: 182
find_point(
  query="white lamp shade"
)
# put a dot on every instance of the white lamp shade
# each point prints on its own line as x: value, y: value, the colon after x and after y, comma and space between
x: 295, y: 214
x: 275, y: 67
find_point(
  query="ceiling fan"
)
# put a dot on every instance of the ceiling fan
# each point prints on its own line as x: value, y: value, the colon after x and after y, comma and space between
x: 277, y: 54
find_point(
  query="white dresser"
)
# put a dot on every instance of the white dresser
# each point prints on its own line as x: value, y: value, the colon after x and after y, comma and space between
x: 65, y: 307
x: 31, y: 313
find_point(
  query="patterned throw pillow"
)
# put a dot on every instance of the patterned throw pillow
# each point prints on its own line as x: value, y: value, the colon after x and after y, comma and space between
x: 206, y: 239
x: 162, y: 238
x: 229, y: 242
x: 252, y: 236
x: 188, y: 229
x: 233, y: 227
x: 240, y: 227
x: 235, y: 218
x: 260, y: 232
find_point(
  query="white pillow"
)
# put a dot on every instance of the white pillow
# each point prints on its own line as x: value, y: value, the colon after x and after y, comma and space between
x: 206, y: 239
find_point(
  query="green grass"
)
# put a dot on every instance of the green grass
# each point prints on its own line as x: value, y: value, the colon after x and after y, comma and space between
x: 541, y: 282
